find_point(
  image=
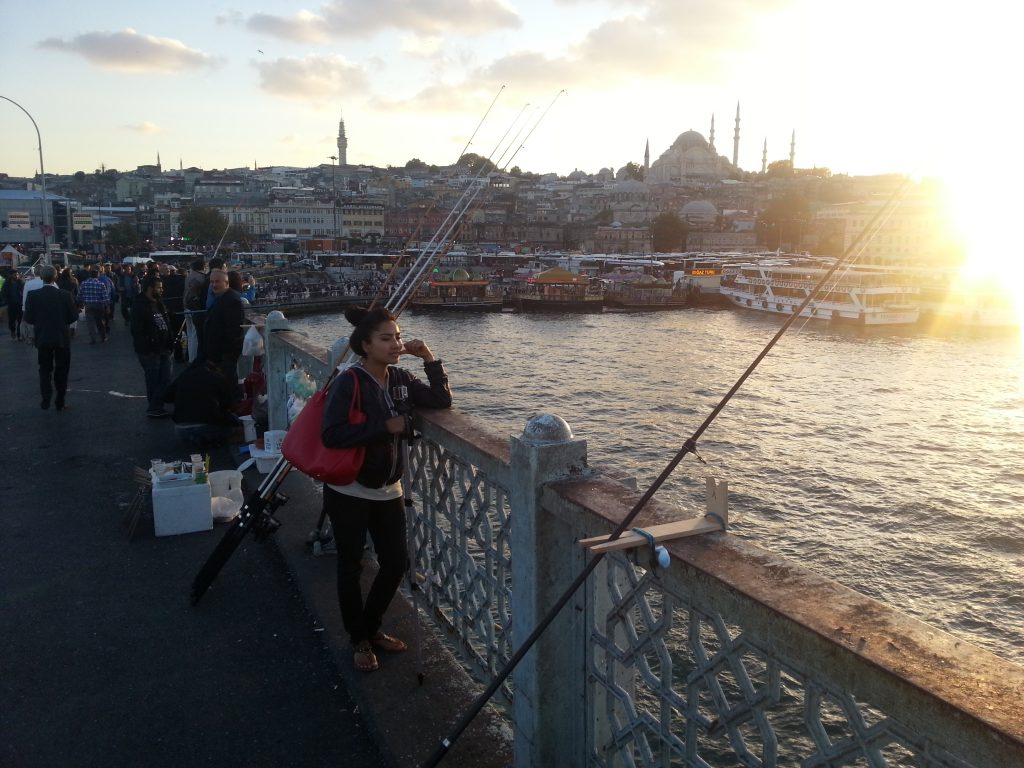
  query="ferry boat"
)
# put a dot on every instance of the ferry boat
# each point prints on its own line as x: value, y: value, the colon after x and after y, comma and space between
x: 646, y: 294
x: 863, y: 295
x: 558, y: 290
x: 458, y: 292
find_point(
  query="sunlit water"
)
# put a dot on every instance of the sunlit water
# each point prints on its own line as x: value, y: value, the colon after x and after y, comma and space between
x: 889, y: 461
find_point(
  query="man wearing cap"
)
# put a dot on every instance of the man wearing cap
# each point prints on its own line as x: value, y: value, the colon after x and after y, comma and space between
x: 51, y: 311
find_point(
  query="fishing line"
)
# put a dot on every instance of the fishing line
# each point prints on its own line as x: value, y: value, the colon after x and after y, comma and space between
x: 690, y: 446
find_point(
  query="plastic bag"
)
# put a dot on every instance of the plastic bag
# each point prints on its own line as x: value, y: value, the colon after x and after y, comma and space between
x: 252, y: 344
x: 227, y: 501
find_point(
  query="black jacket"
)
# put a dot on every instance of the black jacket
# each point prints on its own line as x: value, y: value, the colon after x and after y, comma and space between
x: 201, y: 395
x: 222, y: 331
x: 384, y: 457
x: 151, y: 326
x: 50, y: 311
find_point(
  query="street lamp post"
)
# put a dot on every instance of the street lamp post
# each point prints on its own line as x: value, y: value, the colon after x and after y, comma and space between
x: 334, y: 202
x: 42, y: 175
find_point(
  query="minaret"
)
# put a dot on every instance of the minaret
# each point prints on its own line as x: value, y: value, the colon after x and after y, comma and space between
x: 711, y: 136
x: 647, y: 157
x: 764, y: 156
x: 342, y: 143
x: 736, y: 140
x: 792, y: 152
x: 158, y: 168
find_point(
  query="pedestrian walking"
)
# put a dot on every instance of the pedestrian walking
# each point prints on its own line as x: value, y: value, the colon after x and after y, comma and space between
x: 51, y: 311
x: 94, y: 294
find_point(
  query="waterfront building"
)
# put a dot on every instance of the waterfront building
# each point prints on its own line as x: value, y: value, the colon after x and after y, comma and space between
x: 620, y: 239
x: 302, y: 217
x: 914, y: 233
x: 722, y: 242
x: 21, y: 215
x: 360, y: 219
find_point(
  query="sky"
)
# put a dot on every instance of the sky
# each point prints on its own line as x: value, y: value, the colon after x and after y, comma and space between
x: 877, y: 86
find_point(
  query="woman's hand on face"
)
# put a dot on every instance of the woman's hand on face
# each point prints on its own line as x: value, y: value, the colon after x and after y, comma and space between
x: 395, y: 425
x: 418, y: 348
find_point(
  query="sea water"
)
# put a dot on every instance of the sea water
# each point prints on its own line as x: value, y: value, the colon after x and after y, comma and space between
x: 889, y: 460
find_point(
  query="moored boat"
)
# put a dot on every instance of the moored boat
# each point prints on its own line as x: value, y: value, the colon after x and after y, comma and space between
x: 646, y: 294
x: 458, y: 292
x: 558, y: 290
x: 863, y: 295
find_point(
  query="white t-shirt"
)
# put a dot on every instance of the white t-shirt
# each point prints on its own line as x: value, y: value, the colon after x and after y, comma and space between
x: 360, y: 491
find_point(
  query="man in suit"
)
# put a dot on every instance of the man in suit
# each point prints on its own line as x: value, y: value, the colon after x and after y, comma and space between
x: 51, y: 311
x: 222, y: 332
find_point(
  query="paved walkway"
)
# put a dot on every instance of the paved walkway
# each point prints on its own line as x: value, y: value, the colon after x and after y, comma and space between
x: 103, y: 660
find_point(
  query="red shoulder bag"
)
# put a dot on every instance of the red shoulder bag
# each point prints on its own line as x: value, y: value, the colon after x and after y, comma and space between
x: 305, y: 450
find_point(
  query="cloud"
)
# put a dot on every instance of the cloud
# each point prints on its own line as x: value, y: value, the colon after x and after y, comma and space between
x: 144, y: 127
x: 354, y: 18
x: 230, y: 16
x: 420, y: 46
x: 313, y: 78
x: 439, y: 98
x: 130, y: 51
x: 672, y: 40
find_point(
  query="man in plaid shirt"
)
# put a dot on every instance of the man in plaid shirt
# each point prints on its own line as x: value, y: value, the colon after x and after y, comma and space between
x: 96, y: 296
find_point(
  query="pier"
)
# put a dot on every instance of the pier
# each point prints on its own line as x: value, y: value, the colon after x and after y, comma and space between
x: 731, y: 654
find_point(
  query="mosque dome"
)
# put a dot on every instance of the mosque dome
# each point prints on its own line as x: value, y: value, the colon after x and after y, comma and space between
x: 688, y: 140
x: 460, y: 275
x: 699, y: 209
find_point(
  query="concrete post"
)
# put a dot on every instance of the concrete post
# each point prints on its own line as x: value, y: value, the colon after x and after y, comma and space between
x: 550, y: 682
x: 276, y: 365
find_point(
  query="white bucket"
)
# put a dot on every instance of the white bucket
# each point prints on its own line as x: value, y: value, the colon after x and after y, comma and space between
x: 272, y: 440
x: 249, y: 428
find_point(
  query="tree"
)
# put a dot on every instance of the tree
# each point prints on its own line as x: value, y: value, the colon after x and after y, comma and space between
x: 782, y: 223
x: 779, y: 169
x: 416, y: 165
x: 79, y: 175
x: 203, y: 226
x: 238, y: 234
x: 631, y: 171
x: 121, y: 236
x: 668, y: 233
x: 473, y: 162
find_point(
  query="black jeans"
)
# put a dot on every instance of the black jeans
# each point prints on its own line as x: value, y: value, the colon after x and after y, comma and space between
x: 54, y: 362
x: 351, y: 519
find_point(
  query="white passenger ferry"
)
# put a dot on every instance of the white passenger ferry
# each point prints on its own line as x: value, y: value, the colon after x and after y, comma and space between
x: 863, y: 295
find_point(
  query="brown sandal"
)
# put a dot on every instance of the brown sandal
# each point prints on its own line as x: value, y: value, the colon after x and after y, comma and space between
x: 365, y: 659
x: 383, y: 642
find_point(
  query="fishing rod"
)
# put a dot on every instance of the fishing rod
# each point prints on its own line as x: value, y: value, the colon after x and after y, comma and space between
x: 429, y: 253
x: 477, y: 189
x: 690, y: 446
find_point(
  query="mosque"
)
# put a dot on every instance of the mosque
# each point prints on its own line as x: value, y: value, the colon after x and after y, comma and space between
x: 692, y: 158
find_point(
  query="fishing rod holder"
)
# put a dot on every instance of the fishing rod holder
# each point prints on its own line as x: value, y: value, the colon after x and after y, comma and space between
x: 715, y: 520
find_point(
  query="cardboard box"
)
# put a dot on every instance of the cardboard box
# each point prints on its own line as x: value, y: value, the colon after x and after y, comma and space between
x: 181, y: 508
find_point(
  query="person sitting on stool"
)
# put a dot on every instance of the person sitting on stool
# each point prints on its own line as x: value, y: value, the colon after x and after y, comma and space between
x: 202, y: 399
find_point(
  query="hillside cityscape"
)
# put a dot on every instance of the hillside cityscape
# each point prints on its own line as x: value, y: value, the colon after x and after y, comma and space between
x: 690, y: 198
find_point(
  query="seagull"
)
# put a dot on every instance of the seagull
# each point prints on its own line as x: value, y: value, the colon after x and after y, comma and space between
x: 258, y: 51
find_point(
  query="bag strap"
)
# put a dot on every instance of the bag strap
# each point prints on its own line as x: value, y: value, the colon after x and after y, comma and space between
x: 357, y: 398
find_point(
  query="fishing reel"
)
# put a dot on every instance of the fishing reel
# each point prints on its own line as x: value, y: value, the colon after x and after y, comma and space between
x: 266, y: 524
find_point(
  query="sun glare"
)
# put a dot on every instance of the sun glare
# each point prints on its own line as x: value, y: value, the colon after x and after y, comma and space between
x: 979, y: 208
